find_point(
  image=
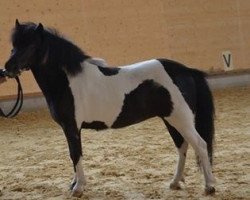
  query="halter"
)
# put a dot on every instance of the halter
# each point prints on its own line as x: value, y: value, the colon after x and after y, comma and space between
x: 19, y: 100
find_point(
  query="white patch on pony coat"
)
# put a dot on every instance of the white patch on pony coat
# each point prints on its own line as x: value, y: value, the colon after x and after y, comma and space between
x: 100, y: 98
x: 79, y: 178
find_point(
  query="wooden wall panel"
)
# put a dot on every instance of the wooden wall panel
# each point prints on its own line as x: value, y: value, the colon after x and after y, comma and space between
x: 194, y: 32
x: 201, y: 30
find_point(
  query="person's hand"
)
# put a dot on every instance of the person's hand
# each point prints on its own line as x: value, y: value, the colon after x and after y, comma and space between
x: 2, y: 80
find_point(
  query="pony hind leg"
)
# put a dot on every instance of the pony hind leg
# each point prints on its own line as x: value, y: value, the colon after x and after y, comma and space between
x: 184, y: 124
x: 182, y: 147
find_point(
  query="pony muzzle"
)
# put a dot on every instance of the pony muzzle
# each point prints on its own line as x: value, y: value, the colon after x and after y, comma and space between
x: 3, y: 73
x: 11, y: 74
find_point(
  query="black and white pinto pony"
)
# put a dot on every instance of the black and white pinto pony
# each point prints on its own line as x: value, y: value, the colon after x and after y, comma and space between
x: 83, y: 92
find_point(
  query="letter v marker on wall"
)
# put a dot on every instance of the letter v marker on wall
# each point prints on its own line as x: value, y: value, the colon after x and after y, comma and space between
x: 227, y: 60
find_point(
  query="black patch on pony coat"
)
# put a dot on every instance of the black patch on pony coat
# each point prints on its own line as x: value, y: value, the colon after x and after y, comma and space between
x: 96, y: 125
x: 148, y: 100
x: 109, y: 71
x: 183, y: 79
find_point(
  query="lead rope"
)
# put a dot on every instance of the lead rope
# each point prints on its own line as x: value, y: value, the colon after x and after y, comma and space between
x: 18, y: 104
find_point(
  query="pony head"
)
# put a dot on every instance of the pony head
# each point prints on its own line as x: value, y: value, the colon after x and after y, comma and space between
x: 26, y: 41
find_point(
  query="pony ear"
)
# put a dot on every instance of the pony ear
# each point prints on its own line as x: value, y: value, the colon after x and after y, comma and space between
x: 17, y: 23
x: 39, y: 28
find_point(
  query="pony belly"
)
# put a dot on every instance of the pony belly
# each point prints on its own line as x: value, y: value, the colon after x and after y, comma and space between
x: 96, y: 116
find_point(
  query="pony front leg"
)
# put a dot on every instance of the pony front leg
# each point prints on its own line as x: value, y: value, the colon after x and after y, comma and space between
x: 75, y: 148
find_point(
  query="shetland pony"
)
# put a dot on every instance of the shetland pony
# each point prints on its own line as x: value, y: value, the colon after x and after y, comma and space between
x: 84, y: 93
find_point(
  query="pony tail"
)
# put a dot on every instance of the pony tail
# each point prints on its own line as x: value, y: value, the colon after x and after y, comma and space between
x: 204, y: 118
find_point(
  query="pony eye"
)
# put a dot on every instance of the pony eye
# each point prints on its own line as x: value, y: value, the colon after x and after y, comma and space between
x: 13, y: 51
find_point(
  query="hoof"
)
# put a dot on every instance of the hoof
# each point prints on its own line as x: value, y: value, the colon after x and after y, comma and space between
x: 175, y: 186
x: 209, y: 190
x: 76, y: 193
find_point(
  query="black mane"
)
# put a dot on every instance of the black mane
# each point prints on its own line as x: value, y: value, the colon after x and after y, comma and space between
x: 55, y: 51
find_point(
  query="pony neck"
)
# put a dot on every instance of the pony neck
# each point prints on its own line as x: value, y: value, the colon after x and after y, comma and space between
x: 58, y: 58
x: 62, y: 54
